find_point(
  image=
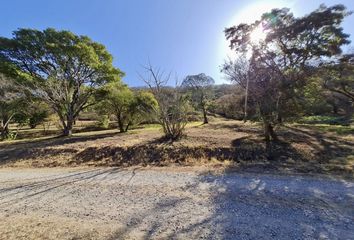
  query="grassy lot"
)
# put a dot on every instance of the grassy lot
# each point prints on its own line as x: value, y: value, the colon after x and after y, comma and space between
x: 327, y: 149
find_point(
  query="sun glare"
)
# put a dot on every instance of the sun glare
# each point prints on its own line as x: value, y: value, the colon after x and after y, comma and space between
x: 258, y: 35
x: 249, y: 14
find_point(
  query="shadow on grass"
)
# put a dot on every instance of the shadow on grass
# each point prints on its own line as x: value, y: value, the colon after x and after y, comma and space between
x: 37, y: 148
x: 298, y: 149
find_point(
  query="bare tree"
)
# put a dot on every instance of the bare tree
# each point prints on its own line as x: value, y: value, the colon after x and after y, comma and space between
x: 173, y: 108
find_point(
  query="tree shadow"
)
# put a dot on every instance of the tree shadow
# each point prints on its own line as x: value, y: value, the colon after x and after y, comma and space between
x: 296, y: 150
x: 281, y: 207
x: 42, y: 147
x: 226, y: 206
x: 22, y: 192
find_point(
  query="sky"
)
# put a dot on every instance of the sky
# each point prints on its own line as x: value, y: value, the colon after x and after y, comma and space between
x: 184, y: 37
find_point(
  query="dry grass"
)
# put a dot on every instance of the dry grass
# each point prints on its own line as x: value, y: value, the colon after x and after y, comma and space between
x: 238, y: 146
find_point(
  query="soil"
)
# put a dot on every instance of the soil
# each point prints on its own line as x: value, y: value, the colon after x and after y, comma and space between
x: 232, y: 143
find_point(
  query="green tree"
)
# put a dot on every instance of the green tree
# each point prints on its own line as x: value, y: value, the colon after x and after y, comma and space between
x: 280, y: 63
x: 315, y: 99
x: 127, y: 106
x: 201, y: 86
x: 338, y: 76
x: 144, y: 107
x: 59, y: 67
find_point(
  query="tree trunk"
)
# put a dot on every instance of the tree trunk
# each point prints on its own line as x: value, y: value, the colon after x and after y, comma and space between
x: 349, y: 114
x: 335, y: 108
x: 68, y: 128
x: 205, y: 116
x: 272, y: 133
x: 269, y: 133
x: 127, y: 127
x: 266, y: 131
x: 4, y: 127
x: 4, y: 132
x: 279, y: 118
x: 120, y: 124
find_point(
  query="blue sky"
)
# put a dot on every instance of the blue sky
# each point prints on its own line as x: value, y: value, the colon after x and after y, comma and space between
x: 182, y: 36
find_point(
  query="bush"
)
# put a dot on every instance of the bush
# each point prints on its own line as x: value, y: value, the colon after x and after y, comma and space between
x: 37, y: 118
x: 103, y: 121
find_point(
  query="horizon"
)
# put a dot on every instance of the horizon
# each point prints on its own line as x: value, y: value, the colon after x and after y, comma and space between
x: 135, y: 32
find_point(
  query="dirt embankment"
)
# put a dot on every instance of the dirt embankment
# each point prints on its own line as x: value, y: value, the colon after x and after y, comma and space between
x: 240, y: 146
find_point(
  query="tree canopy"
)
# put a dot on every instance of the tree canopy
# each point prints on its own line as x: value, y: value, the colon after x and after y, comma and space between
x: 201, y: 90
x: 127, y: 106
x: 273, y: 69
x: 59, y: 67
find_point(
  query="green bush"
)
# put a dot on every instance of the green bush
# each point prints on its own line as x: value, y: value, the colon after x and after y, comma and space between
x: 37, y: 118
x: 103, y: 121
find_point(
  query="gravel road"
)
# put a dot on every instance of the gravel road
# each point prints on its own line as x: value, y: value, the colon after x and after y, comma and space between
x: 112, y: 203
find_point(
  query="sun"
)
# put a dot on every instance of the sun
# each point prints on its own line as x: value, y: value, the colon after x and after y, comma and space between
x: 258, y: 35
x: 248, y: 14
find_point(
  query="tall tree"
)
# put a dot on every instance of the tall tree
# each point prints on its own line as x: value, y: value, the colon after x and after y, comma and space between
x: 59, y: 67
x: 201, y: 90
x: 279, y: 63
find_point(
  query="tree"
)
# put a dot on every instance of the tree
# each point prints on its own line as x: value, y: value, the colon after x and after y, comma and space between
x: 231, y: 104
x: 10, y: 104
x: 36, y: 112
x: 173, y: 107
x: 201, y: 90
x: 118, y: 101
x: 59, y: 67
x: 127, y: 106
x: 338, y: 76
x: 315, y: 100
x: 280, y: 63
x: 145, y: 106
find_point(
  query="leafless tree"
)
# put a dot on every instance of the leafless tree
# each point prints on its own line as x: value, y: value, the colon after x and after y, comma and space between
x: 173, y: 108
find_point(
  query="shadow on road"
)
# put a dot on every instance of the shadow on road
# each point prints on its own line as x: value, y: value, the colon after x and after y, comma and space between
x: 228, y: 206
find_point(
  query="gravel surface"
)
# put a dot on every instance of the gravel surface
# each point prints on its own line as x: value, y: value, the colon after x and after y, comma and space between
x: 135, y: 203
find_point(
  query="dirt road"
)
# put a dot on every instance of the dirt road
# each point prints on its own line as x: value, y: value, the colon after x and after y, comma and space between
x: 111, y: 203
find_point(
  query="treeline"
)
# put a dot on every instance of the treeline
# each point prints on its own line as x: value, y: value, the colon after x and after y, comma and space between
x: 298, y: 69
